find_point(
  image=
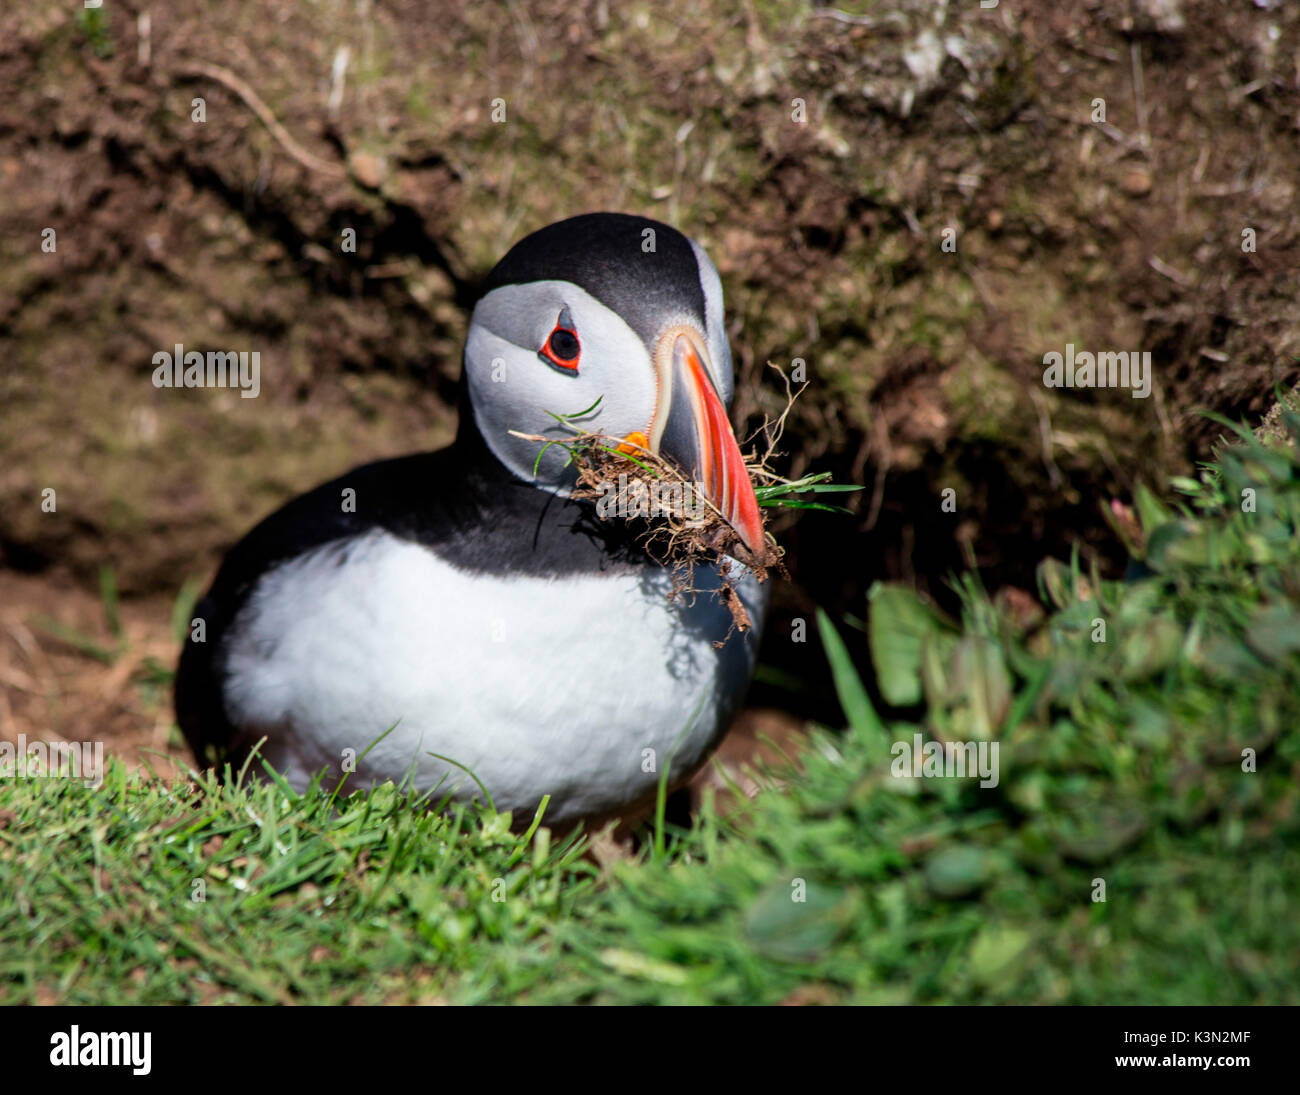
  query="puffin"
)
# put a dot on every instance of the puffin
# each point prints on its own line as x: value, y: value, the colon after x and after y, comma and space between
x: 456, y: 622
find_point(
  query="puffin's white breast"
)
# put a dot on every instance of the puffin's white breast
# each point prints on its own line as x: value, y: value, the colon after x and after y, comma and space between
x: 578, y: 686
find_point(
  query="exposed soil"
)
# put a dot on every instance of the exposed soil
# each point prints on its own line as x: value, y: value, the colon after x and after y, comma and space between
x: 53, y: 688
x: 925, y: 363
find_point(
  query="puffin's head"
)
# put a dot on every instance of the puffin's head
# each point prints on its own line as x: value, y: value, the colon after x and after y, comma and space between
x: 617, y: 309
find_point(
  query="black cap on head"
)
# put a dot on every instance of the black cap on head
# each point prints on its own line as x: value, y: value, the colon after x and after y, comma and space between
x: 608, y: 255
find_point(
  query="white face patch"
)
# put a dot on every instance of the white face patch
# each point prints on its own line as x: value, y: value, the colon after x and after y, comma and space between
x: 540, y: 685
x: 513, y: 388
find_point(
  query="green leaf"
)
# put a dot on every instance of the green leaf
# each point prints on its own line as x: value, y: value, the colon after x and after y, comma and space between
x: 848, y: 685
x: 1056, y: 583
x: 1151, y: 647
x: 74, y: 638
x: 183, y: 609
x: 995, y: 955
x: 809, y: 484
x: 791, y: 503
x: 1185, y: 485
x: 982, y: 684
x: 1092, y: 832
x: 1181, y: 542
x: 1151, y: 511
x: 108, y: 597
x: 957, y: 871
x: 789, y: 930
x: 1274, y: 631
x: 633, y: 964
x: 897, y: 628
x: 576, y: 414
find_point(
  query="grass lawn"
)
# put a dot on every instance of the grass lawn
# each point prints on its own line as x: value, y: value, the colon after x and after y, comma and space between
x: 1148, y: 754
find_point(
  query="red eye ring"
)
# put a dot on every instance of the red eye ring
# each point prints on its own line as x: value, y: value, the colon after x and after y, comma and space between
x: 562, y: 348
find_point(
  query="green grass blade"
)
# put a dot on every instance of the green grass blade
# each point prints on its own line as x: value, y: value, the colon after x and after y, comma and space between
x: 853, y: 697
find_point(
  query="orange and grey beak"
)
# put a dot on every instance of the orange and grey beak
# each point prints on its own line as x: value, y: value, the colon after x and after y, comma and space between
x: 691, y: 429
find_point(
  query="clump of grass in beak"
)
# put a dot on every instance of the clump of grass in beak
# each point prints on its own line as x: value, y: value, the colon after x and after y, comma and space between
x: 684, y: 528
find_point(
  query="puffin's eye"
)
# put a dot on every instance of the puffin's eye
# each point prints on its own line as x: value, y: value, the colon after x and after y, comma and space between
x: 561, y: 347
